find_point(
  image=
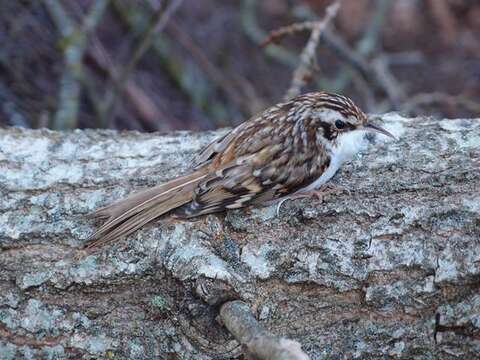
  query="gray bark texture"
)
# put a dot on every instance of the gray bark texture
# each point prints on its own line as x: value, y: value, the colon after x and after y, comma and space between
x: 391, y: 270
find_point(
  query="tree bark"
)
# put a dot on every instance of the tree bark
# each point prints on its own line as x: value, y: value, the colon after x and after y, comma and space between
x: 390, y: 270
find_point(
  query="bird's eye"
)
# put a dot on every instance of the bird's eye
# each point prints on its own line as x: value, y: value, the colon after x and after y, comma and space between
x: 339, y: 124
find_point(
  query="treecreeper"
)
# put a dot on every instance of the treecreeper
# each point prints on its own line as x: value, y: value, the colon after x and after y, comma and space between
x: 290, y: 150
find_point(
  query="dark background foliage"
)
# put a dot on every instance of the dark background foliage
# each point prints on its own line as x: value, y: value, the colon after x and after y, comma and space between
x: 198, y: 64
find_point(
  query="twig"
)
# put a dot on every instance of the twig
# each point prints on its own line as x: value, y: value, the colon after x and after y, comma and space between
x: 257, y: 35
x: 246, y: 99
x: 157, y: 25
x: 66, y: 114
x: 387, y: 81
x: 276, y: 35
x: 176, y: 67
x: 376, y: 73
x: 148, y: 111
x: 337, y: 44
x: 62, y: 20
x: 257, y: 341
x: 94, y: 16
x: 343, y: 50
x: 75, y: 39
x: 305, y: 69
x: 369, y: 41
x: 220, y: 80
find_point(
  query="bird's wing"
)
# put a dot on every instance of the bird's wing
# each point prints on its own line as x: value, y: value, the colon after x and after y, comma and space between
x: 220, y: 145
x: 256, y: 168
x: 205, y: 156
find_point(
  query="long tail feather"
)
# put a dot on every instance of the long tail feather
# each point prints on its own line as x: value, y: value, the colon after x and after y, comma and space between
x: 128, y: 215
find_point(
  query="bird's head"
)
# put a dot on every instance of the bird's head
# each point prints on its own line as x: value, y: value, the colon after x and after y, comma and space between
x: 340, y: 116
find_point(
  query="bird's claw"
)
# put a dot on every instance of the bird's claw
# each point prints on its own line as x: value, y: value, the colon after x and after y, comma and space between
x: 319, y: 193
x: 280, y: 204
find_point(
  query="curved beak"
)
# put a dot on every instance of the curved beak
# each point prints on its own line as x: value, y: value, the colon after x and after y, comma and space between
x: 371, y: 127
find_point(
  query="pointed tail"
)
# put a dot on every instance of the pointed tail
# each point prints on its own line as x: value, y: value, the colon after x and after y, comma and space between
x: 131, y: 213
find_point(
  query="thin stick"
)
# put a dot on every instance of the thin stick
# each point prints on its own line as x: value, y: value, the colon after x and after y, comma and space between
x: 217, y: 77
x: 148, y: 111
x: 256, y: 34
x: 173, y: 63
x: 277, y: 35
x: 368, y: 43
x: 305, y: 69
x: 157, y: 25
x: 258, y: 342
x: 75, y: 38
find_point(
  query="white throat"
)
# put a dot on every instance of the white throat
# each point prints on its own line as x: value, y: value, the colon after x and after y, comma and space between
x: 348, y: 145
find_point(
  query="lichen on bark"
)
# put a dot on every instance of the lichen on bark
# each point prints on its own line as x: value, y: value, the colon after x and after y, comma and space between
x: 391, y: 269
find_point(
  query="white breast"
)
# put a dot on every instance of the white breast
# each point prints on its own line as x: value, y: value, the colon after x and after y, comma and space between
x: 348, y: 145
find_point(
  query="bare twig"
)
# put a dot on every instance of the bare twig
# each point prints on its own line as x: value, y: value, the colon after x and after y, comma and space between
x: 220, y: 80
x: 62, y: 20
x: 236, y: 89
x: 75, y: 40
x: 66, y: 114
x: 157, y: 25
x: 277, y: 35
x: 178, y: 68
x: 305, y: 69
x: 363, y: 50
x: 257, y: 35
x: 374, y: 75
x: 343, y: 50
x: 148, y: 111
x: 387, y: 81
x: 376, y: 72
x: 94, y: 16
x: 370, y: 41
x: 257, y: 341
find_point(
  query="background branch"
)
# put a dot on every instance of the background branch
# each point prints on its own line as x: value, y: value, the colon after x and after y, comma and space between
x: 412, y: 104
x: 74, y: 40
x: 304, y: 71
x: 157, y: 25
x: 151, y: 117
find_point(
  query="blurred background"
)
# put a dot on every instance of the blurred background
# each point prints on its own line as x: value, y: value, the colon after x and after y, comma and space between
x: 161, y: 65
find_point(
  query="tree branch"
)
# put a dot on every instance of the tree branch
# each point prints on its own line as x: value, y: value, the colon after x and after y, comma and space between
x: 398, y: 256
x: 304, y: 71
x: 258, y: 342
x: 74, y: 39
x: 157, y: 25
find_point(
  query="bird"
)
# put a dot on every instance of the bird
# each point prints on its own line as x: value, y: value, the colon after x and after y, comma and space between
x: 289, y: 150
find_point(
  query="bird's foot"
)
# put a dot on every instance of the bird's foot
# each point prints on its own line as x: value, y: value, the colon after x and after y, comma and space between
x: 329, y: 189
x: 319, y: 194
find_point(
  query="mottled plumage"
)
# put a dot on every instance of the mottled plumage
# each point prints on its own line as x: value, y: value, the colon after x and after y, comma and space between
x: 280, y: 152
